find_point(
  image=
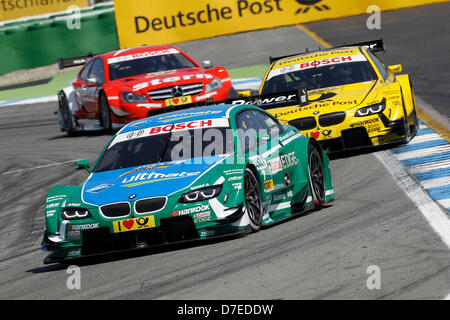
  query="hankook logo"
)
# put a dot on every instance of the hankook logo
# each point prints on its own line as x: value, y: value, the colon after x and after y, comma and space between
x: 311, y: 4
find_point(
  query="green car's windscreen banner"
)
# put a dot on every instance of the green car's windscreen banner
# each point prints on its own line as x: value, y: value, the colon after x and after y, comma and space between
x: 142, y: 22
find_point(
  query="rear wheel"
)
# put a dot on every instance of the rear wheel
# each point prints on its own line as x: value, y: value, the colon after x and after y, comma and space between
x: 253, y: 202
x: 316, y: 177
x: 105, y: 120
x: 65, y: 115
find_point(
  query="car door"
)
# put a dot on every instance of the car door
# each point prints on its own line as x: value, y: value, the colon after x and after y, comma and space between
x: 260, y: 142
x: 280, y: 157
x: 80, y: 86
x: 94, y: 81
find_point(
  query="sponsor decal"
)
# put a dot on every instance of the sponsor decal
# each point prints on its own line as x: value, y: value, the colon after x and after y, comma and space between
x: 307, y: 5
x: 181, y: 126
x: 202, y: 217
x: 237, y: 185
x: 134, y: 224
x: 55, y: 198
x: 288, y: 160
x: 179, y: 20
x: 73, y: 235
x: 364, y: 122
x: 142, y: 55
x: 74, y: 253
x: 315, y: 63
x: 52, y: 205
x: 315, y: 134
x: 149, y: 177
x: 75, y: 227
x: 99, y: 188
x: 197, y: 209
x: 268, y: 185
x: 275, y: 165
x: 179, y: 116
x: 150, y: 167
x: 171, y: 80
x: 50, y: 213
x: 326, y: 132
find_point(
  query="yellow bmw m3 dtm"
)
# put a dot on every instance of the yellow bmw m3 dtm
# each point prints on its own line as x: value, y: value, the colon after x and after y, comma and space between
x: 353, y: 99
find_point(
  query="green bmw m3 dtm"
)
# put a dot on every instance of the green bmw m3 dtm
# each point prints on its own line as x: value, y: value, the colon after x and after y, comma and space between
x: 187, y: 175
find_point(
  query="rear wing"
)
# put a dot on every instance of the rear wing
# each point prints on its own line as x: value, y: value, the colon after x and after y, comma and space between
x: 297, y: 97
x: 374, y: 46
x: 74, y: 61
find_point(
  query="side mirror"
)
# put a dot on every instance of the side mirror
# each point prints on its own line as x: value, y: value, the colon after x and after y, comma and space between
x: 395, y: 68
x: 77, y: 83
x: 83, y: 164
x: 207, y: 64
x: 244, y: 94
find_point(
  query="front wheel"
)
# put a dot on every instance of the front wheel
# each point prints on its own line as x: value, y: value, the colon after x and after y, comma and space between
x: 105, y: 120
x: 316, y: 177
x: 65, y: 115
x: 253, y: 202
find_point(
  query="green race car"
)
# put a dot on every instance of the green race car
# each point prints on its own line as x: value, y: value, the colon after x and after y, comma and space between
x: 186, y: 175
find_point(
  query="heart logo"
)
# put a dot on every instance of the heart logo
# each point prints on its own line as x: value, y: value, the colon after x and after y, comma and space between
x: 175, y: 101
x: 315, y: 134
x: 128, y: 224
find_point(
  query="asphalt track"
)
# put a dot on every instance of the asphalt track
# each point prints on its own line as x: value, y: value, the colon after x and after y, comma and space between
x: 322, y: 255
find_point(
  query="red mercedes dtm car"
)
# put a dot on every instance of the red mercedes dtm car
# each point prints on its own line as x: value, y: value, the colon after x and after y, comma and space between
x: 118, y: 87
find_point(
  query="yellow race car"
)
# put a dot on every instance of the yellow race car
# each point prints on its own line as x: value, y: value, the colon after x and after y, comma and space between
x: 353, y: 99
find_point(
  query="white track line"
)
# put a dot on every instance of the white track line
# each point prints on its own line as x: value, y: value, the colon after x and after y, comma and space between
x: 434, y: 183
x: 425, y: 137
x: 436, y: 217
x: 40, y: 167
x: 423, y: 152
x: 445, y: 203
x: 442, y: 164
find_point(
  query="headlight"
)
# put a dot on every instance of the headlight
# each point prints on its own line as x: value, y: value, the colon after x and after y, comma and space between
x: 201, y: 194
x: 216, y: 84
x: 73, y: 213
x: 130, y: 97
x: 371, y: 110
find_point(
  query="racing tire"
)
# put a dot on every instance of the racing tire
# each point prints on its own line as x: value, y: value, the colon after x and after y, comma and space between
x: 65, y: 115
x: 253, y: 201
x: 415, y: 126
x: 316, y: 176
x: 407, y: 129
x: 105, y: 114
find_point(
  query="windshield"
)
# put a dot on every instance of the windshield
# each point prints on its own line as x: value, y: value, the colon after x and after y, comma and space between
x: 316, y: 77
x: 177, y: 145
x: 133, y: 67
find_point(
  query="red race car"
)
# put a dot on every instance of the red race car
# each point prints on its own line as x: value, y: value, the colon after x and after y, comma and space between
x: 118, y: 87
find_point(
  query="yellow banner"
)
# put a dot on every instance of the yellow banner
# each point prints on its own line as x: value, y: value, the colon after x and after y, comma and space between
x: 14, y: 9
x: 142, y: 22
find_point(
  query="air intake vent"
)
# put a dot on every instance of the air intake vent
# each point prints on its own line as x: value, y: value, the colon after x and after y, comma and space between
x: 331, y: 119
x: 176, y: 91
x: 304, y: 123
x: 116, y: 210
x: 150, y: 205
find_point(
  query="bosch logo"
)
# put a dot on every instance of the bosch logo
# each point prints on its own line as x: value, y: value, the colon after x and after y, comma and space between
x: 311, y: 4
